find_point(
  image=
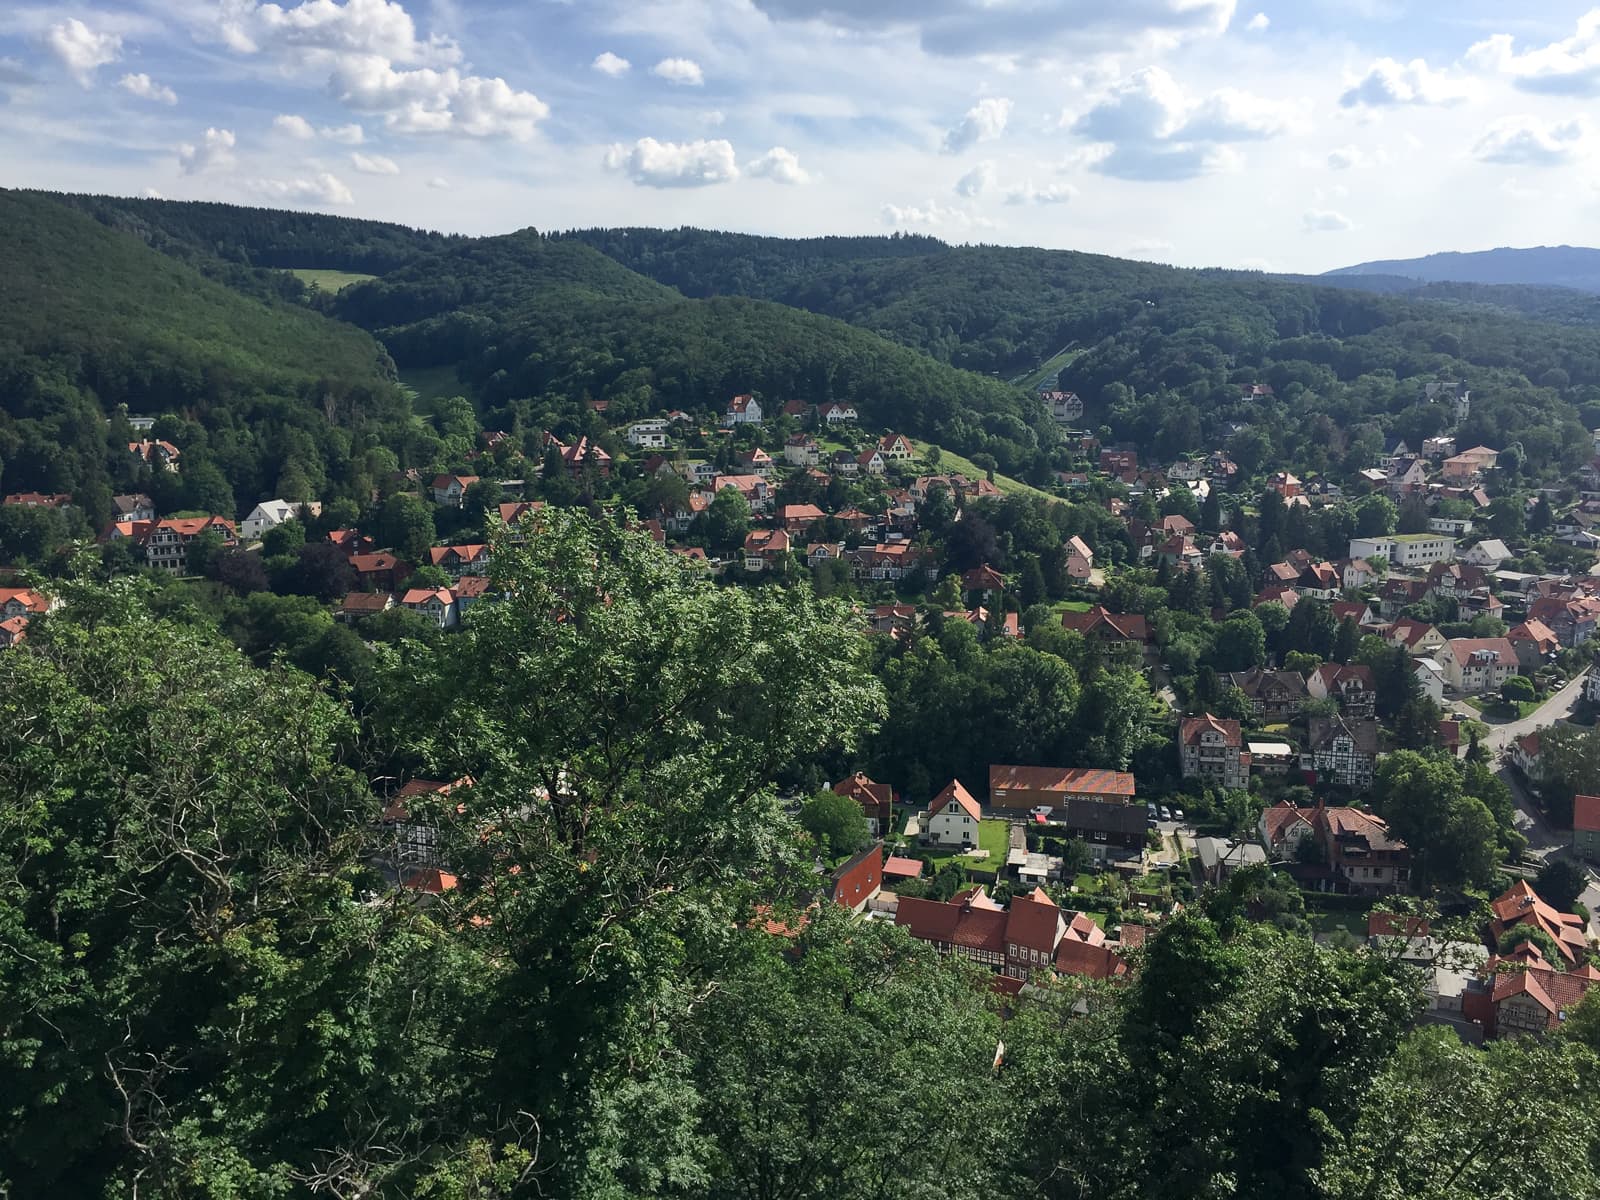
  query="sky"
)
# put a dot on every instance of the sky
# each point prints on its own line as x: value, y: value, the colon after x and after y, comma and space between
x: 1285, y: 136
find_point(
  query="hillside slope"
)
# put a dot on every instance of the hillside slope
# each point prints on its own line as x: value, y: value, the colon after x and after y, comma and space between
x: 1546, y: 266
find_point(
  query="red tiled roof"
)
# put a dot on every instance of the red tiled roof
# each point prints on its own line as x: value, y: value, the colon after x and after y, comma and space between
x: 1281, y: 816
x: 954, y: 793
x: 902, y: 868
x: 1382, y: 924
x: 1032, y: 921
x: 1128, y: 626
x: 957, y: 923
x: 1074, y: 780
x: 1193, y: 727
x: 1092, y: 962
x: 1521, y: 905
x: 1586, y: 813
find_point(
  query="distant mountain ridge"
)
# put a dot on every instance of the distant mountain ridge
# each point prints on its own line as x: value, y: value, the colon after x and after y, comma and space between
x: 1576, y: 267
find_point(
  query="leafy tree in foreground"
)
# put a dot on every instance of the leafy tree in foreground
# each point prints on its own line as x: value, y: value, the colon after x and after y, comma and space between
x: 835, y: 821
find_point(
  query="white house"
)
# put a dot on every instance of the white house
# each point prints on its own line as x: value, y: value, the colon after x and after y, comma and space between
x: 1454, y: 526
x: 838, y: 414
x: 1431, y: 676
x: 1474, y: 665
x: 743, y: 410
x: 1420, y: 549
x: 438, y: 603
x: 953, y: 817
x: 1488, y: 554
x: 271, y: 513
x: 648, y: 435
x: 1371, y: 547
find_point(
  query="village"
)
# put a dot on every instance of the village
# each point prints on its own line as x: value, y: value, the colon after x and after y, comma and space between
x: 1059, y: 867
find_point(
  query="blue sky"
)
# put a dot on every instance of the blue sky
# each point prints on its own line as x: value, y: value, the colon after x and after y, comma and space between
x: 1288, y: 136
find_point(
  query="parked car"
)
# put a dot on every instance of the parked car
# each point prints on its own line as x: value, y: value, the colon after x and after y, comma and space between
x: 1177, y: 814
x: 1166, y: 813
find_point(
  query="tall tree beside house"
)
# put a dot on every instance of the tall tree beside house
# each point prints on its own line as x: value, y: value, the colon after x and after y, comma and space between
x: 1453, y: 836
x: 836, y: 821
x: 622, y: 724
x: 405, y: 525
x: 725, y: 521
x: 1569, y: 765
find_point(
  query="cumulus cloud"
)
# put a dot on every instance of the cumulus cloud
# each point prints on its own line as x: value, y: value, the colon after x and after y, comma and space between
x: 1258, y: 22
x: 976, y: 181
x: 293, y: 126
x: 439, y: 182
x: 1389, y: 83
x: 1325, y: 220
x: 684, y: 71
x: 374, y: 164
x: 345, y: 135
x: 1345, y: 157
x: 610, y: 64
x: 650, y: 163
x: 214, y: 150
x: 142, y: 86
x: 967, y: 28
x: 985, y: 121
x: 1148, y: 128
x: 778, y: 165
x: 931, y: 214
x: 1529, y: 142
x: 1027, y: 193
x: 81, y: 50
x: 1569, y: 67
x: 322, y: 188
x: 378, y: 63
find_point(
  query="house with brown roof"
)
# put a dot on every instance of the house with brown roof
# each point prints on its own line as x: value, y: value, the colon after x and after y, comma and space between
x: 1515, y: 998
x: 765, y: 547
x: 1535, y: 643
x: 799, y: 518
x: 38, y: 500
x: 365, y: 604
x: 1586, y: 827
x: 1519, y: 905
x: 471, y: 559
x: 856, y: 881
x: 1365, y: 858
x: 1115, y: 632
x: 438, y: 604
x: 1095, y: 805
x: 1476, y: 665
x: 166, y: 543
x: 953, y: 817
x: 896, y: 447
x: 801, y: 450
x: 983, y: 580
x: 1031, y: 936
x: 1273, y: 695
x: 1211, y: 749
x: 876, y: 800
x: 1080, y: 559
x: 1417, y: 637
x: 155, y: 453
x: 743, y: 409
x: 380, y: 572
x: 1351, y: 686
x: 1341, y: 751
x: 1283, y: 827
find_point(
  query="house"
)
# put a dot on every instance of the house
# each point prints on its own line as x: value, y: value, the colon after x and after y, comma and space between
x: 1572, y: 618
x: 1365, y: 858
x: 1586, y: 827
x: 469, y: 589
x: 1095, y: 805
x: 381, y: 572
x: 859, y: 879
x: 1283, y: 827
x: 1469, y: 466
x: 743, y: 409
x: 1270, y: 758
x: 755, y: 461
x: 897, y: 869
x: 1358, y: 611
x: 871, y: 461
x: 1221, y: 857
x: 1420, y: 549
x: 1535, y: 643
x: 1355, y: 574
x: 984, y: 580
x: 436, y: 603
x: 876, y: 800
x: 1430, y: 678
x: 1080, y: 559
x: 896, y: 447
x: 1519, y: 905
x: 648, y: 435
x: 1456, y: 527
x: 1116, y: 632
x: 1255, y: 391
x: 1064, y: 407
x: 1524, y: 753
x: 837, y: 414
x: 134, y: 507
x: 1030, y: 937
x: 801, y: 450
x: 764, y: 547
x: 448, y: 490
x: 155, y: 453
x: 25, y: 602
x: 799, y: 518
x: 365, y: 604
x: 38, y: 500
x: 1516, y: 997
x: 1273, y: 695
x: 1488, y: 554
x: 1341, y: 751
x: 166, y: 543
x: 754, y: 489
x: 1118, y: 462
x: 1438, y: 447
x: 1212, y: 750
x: 470, y: 559
x: 1320, y: 581
x: 1418, y: 638
x: 582, y: 455
x: 891, y: 561
x: 1351, y: 686
x: 1286, y: 485
x: 1476, y: 665
x: 953, y: 817
x: 13, y: 630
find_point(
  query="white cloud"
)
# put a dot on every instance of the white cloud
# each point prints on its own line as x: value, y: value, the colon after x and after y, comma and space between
x: 1325, y: 220
x: 1027, y: 193
x: 1258, y: 23
x: 492, y: 107
x: 345, y: 135
x: 976, y: 181
x: 1344, y: 158
x: 1529, y: 142
x: 1390, y: 83
x: 293, y: 126
x: 984, y: 122
x: 145, y: 88
x: 780, y: 166
x: 610, y: 64
x: 931, y: 214
x: 1149, y: 128
x: 439, y: 182
x: 1033, y: 28
x: 650, y: 163
x: 324, y: 29
x: 1569, y: 67
x: 322, y: 188
x: 425, y: 100
x: 81, y: 50
x: 684, y: 71
x: 215, y: 149
x: 374, y: 164
x: 714, y: 117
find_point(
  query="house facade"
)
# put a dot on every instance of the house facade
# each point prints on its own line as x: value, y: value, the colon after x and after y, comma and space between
x: 1212, y: 749
x: 1343, y: 752
x: 953, y: 817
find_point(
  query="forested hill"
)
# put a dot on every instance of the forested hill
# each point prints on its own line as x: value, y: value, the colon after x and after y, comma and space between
x: 91, y: 318
x: 1547, y: 266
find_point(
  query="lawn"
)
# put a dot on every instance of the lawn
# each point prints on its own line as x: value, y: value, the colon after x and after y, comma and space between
x: 1499, y: 710
x: 1066, y: 606
x: 950, y: 462
x: 328, y: 281
x: 1051, y: 366
x: 993, y: 836
x: 428, y: 385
